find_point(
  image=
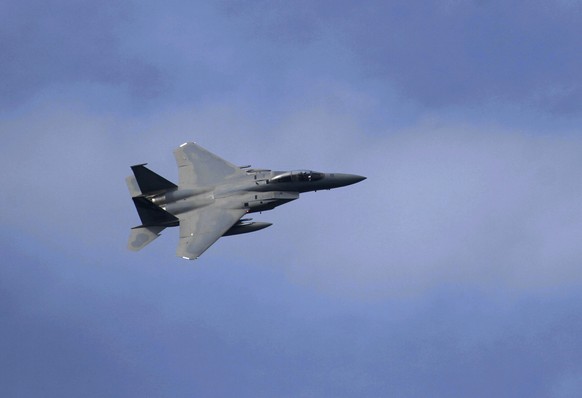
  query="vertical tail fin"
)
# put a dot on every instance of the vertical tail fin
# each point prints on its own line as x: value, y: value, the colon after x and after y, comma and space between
x: 145, y: 182
x: 151, y: 214
x: 150, y: 182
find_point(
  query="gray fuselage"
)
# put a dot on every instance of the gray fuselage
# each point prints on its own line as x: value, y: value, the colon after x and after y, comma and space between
x: 254, y: 191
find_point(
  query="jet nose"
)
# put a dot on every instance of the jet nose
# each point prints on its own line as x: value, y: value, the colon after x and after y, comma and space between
x: 347, y: 179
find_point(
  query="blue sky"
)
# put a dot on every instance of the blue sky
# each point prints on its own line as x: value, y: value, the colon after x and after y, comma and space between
x: 453, y: 270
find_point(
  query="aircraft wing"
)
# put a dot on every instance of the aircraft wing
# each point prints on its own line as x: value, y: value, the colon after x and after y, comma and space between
x: 200, y: 228
x: 198, y: 167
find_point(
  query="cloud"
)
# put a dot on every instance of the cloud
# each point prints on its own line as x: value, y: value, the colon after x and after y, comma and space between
x: 443, y: 203
x: 240, y: 328
x: 444, y: 53
x: 434, y: 54
x: 446, y: 205
x: 57, y: 43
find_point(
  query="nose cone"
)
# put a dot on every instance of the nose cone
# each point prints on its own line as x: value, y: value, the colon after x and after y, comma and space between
x: 341, y: 180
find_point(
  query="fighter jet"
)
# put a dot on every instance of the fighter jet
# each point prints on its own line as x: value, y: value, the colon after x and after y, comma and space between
x: 213, y: 197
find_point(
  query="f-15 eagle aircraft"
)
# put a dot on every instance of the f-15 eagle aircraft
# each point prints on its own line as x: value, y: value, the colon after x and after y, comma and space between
x: 212, y: 196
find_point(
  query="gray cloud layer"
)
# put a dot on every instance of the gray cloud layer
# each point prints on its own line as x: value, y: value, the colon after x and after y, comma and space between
x: 443, y: 203
x: 125, y: 328
x: 433, y: 53
x: 54, y: 43
x: 446, y: 53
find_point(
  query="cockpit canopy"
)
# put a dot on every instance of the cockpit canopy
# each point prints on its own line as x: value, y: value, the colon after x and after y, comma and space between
x: 298, y: 176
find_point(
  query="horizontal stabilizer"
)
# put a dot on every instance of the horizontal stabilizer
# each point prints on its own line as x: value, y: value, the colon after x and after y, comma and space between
x: 150, y: 182
x: 152, y: 214
x: 142, y: 236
